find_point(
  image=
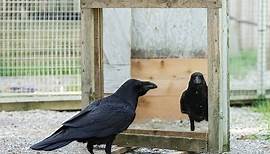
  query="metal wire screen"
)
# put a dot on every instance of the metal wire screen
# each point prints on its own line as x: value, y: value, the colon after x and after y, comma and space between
x: 39, y: 46
x: 249, y: 48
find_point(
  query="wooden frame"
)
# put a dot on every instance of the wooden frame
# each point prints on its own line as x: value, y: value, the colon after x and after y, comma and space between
x: 92, y: 72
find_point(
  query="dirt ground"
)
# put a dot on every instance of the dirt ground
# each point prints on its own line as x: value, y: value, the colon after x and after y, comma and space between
x: 19, y: 130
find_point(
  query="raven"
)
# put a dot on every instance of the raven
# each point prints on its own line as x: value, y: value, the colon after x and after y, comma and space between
x: 194, y: 100
x: 100, y: 121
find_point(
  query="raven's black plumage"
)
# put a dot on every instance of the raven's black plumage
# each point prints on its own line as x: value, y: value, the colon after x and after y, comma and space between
x: 100, y: 121
x: 194, y: 100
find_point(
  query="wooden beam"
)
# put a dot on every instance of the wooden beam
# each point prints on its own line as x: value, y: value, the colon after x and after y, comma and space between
x: 151, y: 4
x: 98, y: 53
x: 158, y: 141
x: 87, y: 55
x: 198, y: 135
x: 214, y: 81
x: 225, y: 90
x: 41, y: 105
x: 92, y: 55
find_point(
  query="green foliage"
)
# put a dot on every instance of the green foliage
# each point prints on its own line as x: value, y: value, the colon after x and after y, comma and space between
x: 255, y: 137
x: 241, y: 63
x: 262, y: 105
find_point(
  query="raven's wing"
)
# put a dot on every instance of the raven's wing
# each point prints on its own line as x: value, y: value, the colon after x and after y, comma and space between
x: 90, y: 107
x: 184, y: 103
x: 109, y: 118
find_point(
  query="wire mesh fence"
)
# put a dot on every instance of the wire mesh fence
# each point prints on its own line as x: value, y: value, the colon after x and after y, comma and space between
x: 249, y: 48
x: 39, y: 46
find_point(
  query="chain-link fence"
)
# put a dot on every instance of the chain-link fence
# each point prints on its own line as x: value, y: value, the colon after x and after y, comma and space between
x: 249, y: 48
x: 39, y: 47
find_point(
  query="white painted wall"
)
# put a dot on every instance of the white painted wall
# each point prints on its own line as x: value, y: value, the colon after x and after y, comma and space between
x: 149, y: 33
x: 169, y: 33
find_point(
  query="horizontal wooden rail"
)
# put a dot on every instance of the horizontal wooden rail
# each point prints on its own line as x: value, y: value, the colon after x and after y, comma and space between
x: 182, y: 141
x: 151, y: 4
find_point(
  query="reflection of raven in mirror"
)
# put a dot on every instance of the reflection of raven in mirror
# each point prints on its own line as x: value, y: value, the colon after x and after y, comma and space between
x: 101, y: 121
x: 194, y: 100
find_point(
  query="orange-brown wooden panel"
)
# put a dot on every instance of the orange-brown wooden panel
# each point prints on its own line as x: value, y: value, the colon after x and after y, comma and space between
x: 159, y: 107
x: 169, y: 87
x: 166, y: 69
x: 171, y: 76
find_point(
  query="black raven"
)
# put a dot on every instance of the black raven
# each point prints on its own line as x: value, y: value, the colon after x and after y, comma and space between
x: 194, y: 100
x: 100, y: 121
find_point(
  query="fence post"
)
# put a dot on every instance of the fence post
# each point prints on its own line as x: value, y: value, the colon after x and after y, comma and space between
x: 261, y: 54
x: 91, y: 53
x: 224, y: 76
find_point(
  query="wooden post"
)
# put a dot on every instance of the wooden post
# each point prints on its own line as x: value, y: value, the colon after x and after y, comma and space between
x: 213, y: 80
x: 98, y: 53
x: 91, y: 54
x: 225, y: 91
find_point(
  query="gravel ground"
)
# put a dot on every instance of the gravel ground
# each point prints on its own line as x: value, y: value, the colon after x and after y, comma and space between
x: 21, y: 129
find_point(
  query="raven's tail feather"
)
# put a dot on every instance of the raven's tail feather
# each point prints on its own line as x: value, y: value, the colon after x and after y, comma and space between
x: 49, y: 147
x: 55, y: 141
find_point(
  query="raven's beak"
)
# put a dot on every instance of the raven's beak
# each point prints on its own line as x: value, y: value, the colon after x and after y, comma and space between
x: 149, y: 85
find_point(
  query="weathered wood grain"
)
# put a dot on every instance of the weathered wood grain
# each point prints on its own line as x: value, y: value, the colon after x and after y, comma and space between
x: 150, y: 4
x: 161, y: 141
x: 214, y: 81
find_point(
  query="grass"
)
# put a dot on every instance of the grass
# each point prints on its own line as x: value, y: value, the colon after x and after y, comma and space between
x: 241, y: 63
x: 261, y: 106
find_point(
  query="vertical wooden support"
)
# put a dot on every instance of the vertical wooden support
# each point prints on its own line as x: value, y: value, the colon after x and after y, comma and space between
x: 213, y: 80
x: 91, y: 54
x: 224, y: 76
x: 87, y: 62
x: 98, y: 53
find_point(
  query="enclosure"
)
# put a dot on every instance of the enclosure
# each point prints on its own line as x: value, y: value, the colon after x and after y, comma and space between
x: 161, y: 71
x: 41, y: 58
x: 40, y: 53
x: 249, y: 49
x: 40, y: 44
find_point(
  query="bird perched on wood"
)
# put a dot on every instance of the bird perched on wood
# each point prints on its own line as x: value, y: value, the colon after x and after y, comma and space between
x: 100, y: 121
x: 194, y: 100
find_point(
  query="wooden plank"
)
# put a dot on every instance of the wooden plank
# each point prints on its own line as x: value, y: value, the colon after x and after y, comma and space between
x: 172, y: 88
x: 225, y: 90
x: 159, y: 107
x: 197, y: 135
x: 87, y: 56
x: 171, y: 76
x: 151, y: 4
x: 98, y: 53
x: 41, y: 105
x: 21, y: 98
x: 92, y: 55
x: 168, y: 69
x: 164, y: 142
x: 214, y: 81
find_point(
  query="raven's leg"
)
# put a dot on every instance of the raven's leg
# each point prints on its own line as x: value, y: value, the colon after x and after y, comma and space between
x: 192, y: 127
x: 108, y: 148
x: 90, y: 148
